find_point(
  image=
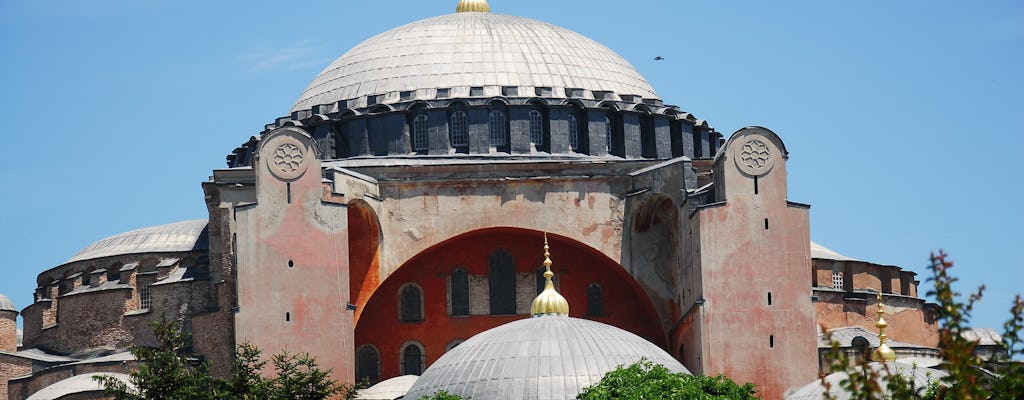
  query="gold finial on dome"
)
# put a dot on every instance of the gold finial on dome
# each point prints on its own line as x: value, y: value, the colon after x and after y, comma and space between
x: 549, y: 301
x: 473, y: 6
x: 883, y: 352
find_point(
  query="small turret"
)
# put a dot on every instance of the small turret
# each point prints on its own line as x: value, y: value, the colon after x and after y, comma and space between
x: 8, y: 325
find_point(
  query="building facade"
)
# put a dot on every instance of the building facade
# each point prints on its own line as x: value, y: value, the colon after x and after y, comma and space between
x: 397, y: 210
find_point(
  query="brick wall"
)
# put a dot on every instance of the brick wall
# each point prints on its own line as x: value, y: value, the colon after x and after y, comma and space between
x: 8, y: 331
x: 12, y: 367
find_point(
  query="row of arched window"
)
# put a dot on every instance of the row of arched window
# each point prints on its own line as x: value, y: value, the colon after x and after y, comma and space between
x: 501, y: 282
x: 411, y: 360
x: 497, y: 128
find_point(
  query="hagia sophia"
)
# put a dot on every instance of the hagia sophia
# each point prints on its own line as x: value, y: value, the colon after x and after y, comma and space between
x: 394, y: 223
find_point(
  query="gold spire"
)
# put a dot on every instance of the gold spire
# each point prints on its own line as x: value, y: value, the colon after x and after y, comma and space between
x: 473, y: 6
x: 883, y: 352
x: 549, y: 301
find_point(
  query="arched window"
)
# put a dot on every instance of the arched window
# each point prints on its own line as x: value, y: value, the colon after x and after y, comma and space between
x: 536, y: 128
x: 574, y: 133
x: 460, y: 292
x: 411, y: 304
x: 595, y: 300
x: 412, y: 359
x: 459, y: 129
x: 419, y: 132
x: 502, y: 283
x: 497, y: 128
x: 368, y: 363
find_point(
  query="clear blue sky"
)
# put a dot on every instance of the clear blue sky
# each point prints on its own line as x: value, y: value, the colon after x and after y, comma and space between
x: 901, y: 117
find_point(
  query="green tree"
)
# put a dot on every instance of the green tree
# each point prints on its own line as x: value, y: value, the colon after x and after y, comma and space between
x: 442, y: 395
x: 646, y: 380
x: 165, y: 372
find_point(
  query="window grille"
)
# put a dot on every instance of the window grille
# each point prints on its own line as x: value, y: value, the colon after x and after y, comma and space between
x: 502, y: 283
x: 837, y: 280
x: 595, y: 300
x: 460, y: 134
x: 574, y: 133
x: 368, y: 364
x: 608, y: 132
x: 536, y: 128
x: 145, y: 298
x: 460, y: 292
x: 412, y: 360
x: 497, y: 132
x: 412, y: 300
x: 419, y: 132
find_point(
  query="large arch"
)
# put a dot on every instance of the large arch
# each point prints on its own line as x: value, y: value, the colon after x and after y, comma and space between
x: 626, y: 304
x: 364, y: 253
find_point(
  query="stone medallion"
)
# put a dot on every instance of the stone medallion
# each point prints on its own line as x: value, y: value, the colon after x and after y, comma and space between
x: 755, y: 156
x: 287, y: 160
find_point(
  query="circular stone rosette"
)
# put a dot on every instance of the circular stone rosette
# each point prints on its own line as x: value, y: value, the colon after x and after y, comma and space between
x: 287, y: 159
x: 755, y: 156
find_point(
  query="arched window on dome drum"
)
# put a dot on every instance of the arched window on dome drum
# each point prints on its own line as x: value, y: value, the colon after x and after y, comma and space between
x: 460, y: 292
x: 497, y: 128
x: 574, y: 133
x: 595, y: 300
x: 412, y: 304
x: 419, y: 132
x: 412, y: 359
x: 536, y: 128
x: 459, y: 129
x: 609, y: 131
x: 368, y: 364
x: 502, y: 283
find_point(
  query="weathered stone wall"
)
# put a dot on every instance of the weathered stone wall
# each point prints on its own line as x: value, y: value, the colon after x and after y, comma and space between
x: 25, y: 387
x: 12, y: 367
x: 8, y: 331
x: 908, y: 317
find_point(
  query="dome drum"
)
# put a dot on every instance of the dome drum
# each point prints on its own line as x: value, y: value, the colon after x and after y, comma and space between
x: 533, y: 127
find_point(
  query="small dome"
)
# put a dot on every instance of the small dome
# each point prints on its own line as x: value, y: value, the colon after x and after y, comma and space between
x: 77, y: 384
x: 920, y: 377
x: 550, y: 357
x: 179, y: 236
x: 474, y: 49
x: 6, y: 304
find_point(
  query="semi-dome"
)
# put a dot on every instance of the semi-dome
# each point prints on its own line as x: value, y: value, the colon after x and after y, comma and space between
x: 6, y: 304
x: 551, y: 357
x: 465, y: 50
x: 919, y: 376
x: 178, y: 236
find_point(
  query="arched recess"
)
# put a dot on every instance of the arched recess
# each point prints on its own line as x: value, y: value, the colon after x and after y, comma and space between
x: 364, y: 253
x: 654, y: 250
x: 626, y: 304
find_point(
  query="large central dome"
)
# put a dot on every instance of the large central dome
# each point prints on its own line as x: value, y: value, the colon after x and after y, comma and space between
x: 473, y: 49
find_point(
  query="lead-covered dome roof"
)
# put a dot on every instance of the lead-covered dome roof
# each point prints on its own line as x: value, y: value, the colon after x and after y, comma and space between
x: 473, y: 49
x: 6, y: 304
x: 545, y: 357
x: 178, y: 236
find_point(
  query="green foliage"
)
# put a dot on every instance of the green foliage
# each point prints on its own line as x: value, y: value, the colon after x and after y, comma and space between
x: 442, y: 395
x: 646, y: 380
x: 165, y: 372
x: 169, y: 372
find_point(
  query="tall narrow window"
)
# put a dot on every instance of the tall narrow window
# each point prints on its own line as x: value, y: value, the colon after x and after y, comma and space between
x: 608, y: 132
x: 574, y: 133
x: 541, y: 281
x: 368, y: 364
x: 419, y: 132
x: 412, y: 304
x: 460, y: 292
x: 497, y: 132
x: 837, y: 280
x: 412, y: 359
x: 595, y: 300
x: 459, y: 129
x: 145, y: 298
x: 502, y: 284
x: 536, y: 128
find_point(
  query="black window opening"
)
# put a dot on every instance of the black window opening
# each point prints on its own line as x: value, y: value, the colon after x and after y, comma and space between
x: 412, y: 301
x: 595, y: 300
x: 536, y: 128
x: 502, y: 284
x: 459, y: 129
x: 368, y: 364
x: 419, y: 132
x: 412, y: 360
x: 540, y: 279
x: 574, y: 133
x: 460, y: 292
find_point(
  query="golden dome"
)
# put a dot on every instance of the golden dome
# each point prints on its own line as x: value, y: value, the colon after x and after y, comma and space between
x: 549, y: 301
x: 473, y: 6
